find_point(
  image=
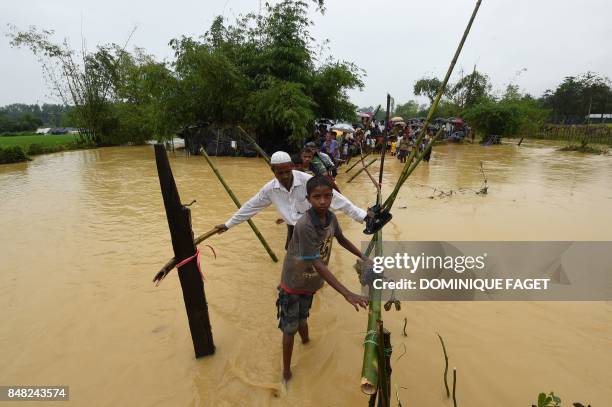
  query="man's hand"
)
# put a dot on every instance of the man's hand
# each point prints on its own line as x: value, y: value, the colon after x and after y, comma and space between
x: 365, y: 261
x: 221, y: 228
x: 279, y: 221
x: 356, y: 300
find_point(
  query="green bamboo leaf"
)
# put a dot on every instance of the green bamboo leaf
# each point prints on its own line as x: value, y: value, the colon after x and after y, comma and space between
x: 542, y: 400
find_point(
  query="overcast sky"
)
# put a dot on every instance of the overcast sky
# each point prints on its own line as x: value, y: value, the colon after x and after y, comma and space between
x: 395, y: 42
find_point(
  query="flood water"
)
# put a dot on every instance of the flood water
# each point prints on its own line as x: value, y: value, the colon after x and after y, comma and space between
x: 82, y: 234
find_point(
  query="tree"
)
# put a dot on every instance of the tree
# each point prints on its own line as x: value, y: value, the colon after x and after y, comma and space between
x: 571, y: 100
x: 512, y: 93
x: 470, y: 89
x: 408, y: 110
x: 506, y: 117
x: 329, y: 86
x: 427, y: 87
x: 261, y: 71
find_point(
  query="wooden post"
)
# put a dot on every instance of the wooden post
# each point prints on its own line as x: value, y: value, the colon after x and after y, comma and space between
x: 179, y: 222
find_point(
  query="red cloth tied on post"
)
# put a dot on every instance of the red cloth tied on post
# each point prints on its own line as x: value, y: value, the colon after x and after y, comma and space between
x: 188, y: 259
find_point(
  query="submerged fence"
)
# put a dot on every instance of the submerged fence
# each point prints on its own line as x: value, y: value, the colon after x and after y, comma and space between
x: 595, y: 134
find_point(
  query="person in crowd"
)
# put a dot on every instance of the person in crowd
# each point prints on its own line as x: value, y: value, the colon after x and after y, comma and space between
x: 287, y: 191
x: 305, y: 267
x: 331, y: 148
x: 404, y: 149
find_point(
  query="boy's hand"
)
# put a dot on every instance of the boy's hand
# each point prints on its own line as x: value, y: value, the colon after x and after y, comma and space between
x: 356, y: 300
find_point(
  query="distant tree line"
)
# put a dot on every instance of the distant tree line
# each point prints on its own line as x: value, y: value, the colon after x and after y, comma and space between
x: 264, y: 72
x: 512, y: 112
x: 18, y: 117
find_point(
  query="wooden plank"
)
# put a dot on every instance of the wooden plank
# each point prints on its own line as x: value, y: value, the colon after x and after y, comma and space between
x: 179, y: 222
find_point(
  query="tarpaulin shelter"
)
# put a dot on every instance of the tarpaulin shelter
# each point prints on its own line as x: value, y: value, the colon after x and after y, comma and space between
x: 217, y: 140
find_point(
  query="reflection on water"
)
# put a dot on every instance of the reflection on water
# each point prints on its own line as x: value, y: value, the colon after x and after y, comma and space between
x: 83, y: 232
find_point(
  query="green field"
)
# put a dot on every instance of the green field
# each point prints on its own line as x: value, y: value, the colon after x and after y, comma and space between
x: 50, y: 140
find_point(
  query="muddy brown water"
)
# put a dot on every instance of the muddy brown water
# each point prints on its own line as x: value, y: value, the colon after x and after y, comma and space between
x: 82, y: 233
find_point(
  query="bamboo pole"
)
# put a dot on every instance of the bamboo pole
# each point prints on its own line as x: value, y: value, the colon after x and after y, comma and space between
x: 445, y: 366
x: 366, y: 126
x: 259, y: 149
x: 384, y: 150
x: 369, y: 379
x: 354, y: 164
x: 434, y: 106
x: 238, y: 204
x: 383, y: 367
x: 391, y: 199
x: 361, y: 170
x: 369, y: 369
x: 454, y: 386
x: 373, y: 379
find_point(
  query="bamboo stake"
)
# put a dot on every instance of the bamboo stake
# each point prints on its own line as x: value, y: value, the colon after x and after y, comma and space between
x: 369, y: 369
x: 238, y: 204
x: 384, y: 150
x: 370, y: 375
x: 369, y: 380
x: 354, y: 164
x: 361, y: 170
x: 367, y: 125
x: 259, y: 149
x: 434, y: 106
x: 454, y: 386
x: 445, y: 366
x: 391, y: 199
x: 383, y: 367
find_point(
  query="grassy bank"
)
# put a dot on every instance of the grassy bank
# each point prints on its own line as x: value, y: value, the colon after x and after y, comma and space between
x: 24, y: 140
x: 18, y: 148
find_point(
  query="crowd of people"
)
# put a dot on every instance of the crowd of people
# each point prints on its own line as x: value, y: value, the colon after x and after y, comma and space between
x: 327, y: 149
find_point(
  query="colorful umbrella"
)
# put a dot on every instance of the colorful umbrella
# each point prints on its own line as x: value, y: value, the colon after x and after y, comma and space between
x: 344, y: 127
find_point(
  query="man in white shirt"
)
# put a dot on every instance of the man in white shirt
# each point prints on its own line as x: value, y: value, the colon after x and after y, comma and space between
x: 287, y: 191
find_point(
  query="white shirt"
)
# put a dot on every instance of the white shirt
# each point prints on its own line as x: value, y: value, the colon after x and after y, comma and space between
x: 292, y: 204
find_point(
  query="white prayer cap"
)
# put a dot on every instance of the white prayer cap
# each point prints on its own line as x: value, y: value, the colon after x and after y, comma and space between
x: 280, y: 157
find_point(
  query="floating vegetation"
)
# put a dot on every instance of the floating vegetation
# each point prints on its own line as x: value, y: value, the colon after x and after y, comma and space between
x: 552, y: 400
x: 548, y: 400
x: 454, y: 386
x: 445, y: 368
x: 485, y: 187
x: 400, y: 356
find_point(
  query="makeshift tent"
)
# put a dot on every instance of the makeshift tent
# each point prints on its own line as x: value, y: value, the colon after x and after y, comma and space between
x: 218, y: 141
